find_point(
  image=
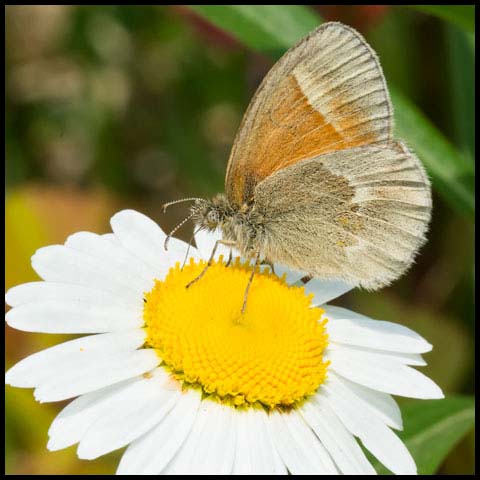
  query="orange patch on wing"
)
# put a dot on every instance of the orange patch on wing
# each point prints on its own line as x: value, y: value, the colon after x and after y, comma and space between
x: 291, y: 130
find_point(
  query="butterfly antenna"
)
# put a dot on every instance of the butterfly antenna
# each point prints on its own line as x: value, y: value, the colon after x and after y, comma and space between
x: 183, y: 222
x: 166, y: 205
x: 189, y: 245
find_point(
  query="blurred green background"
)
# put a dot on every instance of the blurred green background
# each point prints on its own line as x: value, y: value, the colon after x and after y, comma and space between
x: 130, y: 106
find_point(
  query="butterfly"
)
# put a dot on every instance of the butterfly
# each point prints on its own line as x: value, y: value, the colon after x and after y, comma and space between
x: 315, y: 180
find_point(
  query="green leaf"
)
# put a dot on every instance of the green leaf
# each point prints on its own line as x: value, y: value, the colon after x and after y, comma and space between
x: 270, y: 29
x: 461, y: 62
x: 460, y: 15
x: 267, y: 28
x: 432, y: 428
x: 448, y: 168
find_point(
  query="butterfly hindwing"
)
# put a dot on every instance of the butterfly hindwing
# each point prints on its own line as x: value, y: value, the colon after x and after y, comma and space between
x: 359, y: 215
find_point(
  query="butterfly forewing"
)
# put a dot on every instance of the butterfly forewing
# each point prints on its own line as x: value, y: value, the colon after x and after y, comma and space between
x: 327, y: 93
x: 317, y: 181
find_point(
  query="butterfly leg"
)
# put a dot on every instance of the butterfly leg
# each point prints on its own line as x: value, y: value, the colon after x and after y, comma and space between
x: 257, y: 263
x: 270, y: 264
x: 188, y: 249
x: 210, y: 260
x: 230, y: 256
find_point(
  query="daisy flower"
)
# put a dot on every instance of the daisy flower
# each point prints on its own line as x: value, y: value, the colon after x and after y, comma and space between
x: 193, y: 386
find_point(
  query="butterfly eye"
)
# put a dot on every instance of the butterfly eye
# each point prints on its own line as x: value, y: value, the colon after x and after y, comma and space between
x: 213, y: 217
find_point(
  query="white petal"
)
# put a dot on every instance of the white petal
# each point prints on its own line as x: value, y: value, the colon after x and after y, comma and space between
x: 255, y: 453
x: 205, y: 241
x: 190, y: 458
x: 375, y: 355
x: 146, y: 240
x: 140, y: 407
x: 339, y: 443
x: 352, y: 328
x: 292, y: 276
x: 218, y: 444
x: 326, y: 290
x: 41, y: 291
x: 41, y: 366
x: 209, y: 448
x: 380, y: 404
x: 185, y: 455
x: 279, y: 468
x: 387, y: 375
x: 58, y: 263
x: 99, y: 247
x: 305, y: 438
x: 247, y: 447
x: 111, y: 237
x: 75, y: 419
x: 299, y: 448
x: 69, y: 316
x: 373, y: 433
x: 101, y: 372
x: 151, y: 453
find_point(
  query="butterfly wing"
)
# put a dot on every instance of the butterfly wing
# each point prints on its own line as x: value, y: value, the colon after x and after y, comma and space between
x: 326, y: 93
x: 359, y: 215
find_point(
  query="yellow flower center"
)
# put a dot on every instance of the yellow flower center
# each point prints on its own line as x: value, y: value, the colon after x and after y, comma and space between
x: 269, y: 355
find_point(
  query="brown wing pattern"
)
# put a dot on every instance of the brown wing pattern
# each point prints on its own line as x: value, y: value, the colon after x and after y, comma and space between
x: 359, y: 214
x: 327, y: 93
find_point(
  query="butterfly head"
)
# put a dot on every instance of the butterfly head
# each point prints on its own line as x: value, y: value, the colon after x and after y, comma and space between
x: 210, y: 214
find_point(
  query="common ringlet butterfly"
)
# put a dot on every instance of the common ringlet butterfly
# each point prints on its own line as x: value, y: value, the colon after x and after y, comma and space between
x: 315, y: 180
